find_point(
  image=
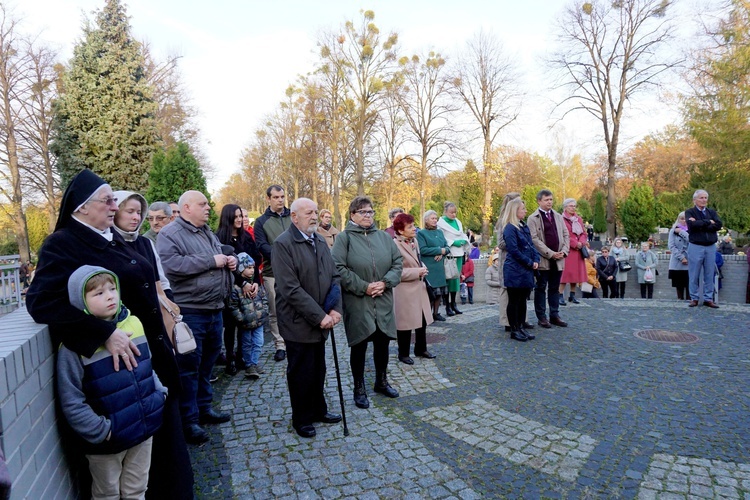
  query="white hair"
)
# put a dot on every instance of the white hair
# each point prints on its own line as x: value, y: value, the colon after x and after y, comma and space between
x: 700, y: 192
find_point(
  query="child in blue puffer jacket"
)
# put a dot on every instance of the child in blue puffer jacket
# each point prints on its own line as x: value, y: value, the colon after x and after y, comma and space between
x: 115, y: 413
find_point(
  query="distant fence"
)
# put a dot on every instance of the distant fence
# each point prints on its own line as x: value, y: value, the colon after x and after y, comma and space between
x: 10, y: 283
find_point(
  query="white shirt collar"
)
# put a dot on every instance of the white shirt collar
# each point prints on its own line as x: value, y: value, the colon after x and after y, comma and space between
x: 106, y: 234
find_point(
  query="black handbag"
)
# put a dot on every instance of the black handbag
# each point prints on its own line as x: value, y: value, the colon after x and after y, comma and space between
x: 625, y: 266
x: 585, y: 252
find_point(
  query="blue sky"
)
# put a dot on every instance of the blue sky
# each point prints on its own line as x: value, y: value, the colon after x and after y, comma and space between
x: 237, y: 57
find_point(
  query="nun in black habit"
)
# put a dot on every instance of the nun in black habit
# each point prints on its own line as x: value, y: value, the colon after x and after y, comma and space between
x: 83, y: 235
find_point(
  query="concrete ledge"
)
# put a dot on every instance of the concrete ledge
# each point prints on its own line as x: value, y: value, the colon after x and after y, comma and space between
x: 28, y: 423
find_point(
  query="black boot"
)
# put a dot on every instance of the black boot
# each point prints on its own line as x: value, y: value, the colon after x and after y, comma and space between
x: 573, y: 299
x: 360, y: 394
x: 448, y: 309
x: 383, y: 387
x: 453, y: 303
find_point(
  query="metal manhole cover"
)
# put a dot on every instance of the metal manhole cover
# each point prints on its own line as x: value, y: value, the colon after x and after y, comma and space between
x: 667, y: 337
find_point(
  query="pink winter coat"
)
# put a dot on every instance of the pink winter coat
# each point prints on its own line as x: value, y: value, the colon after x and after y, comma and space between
x: 575, y: 266
x: 410, y: 299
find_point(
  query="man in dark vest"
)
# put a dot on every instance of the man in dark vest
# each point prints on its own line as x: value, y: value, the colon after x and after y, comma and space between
x: 552, y: 241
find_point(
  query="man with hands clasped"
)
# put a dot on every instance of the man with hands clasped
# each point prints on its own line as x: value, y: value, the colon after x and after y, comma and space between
x: 552, y: 241
x: 305, y: 276
x: 201, y: 279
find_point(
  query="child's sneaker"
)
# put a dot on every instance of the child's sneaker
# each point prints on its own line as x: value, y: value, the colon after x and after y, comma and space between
x: 252, y: 372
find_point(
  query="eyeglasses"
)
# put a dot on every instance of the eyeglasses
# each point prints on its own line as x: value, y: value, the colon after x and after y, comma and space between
x: 157, y: 218
x: 366, y: 213
x: 107, y: 201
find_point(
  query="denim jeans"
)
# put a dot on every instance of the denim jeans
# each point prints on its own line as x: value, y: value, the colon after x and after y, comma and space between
x: 701, y: 264
x: 195, y: 368
x: 252, y: 345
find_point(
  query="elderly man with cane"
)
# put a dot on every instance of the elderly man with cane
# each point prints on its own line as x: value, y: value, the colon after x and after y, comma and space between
x: 305, y: 277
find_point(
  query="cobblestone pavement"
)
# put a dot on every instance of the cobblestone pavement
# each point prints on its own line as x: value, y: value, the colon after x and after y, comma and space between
x: 588, y: 411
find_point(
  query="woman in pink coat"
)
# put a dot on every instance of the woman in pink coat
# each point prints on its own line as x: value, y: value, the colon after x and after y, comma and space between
x: 410, y: 301
x: 575, y: 265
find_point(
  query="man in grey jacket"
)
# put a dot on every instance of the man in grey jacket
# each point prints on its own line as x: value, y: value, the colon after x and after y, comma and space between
x: 306, y: 276
x: 201, y: 278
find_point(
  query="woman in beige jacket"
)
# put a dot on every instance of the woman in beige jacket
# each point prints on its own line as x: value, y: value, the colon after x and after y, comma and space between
x: 411, y: 303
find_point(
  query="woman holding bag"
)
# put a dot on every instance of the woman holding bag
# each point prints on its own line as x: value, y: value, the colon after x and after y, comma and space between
x: 620, y: 253
x: 645, y: 262
x: 410, y: 301
x: 453, y: 231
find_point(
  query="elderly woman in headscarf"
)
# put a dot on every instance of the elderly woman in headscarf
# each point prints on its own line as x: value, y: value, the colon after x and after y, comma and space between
x: 83, y: 235
x: 457, y: 240
x: 575, y: 265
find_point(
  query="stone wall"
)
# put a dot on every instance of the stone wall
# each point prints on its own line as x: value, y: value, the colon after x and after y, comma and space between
x: 28, y: 430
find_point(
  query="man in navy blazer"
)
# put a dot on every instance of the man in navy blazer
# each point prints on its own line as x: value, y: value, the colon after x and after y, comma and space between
x: 703, y: 223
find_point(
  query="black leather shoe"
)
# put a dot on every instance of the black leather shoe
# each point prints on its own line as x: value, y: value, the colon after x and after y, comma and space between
x: 426, y: 354
x: 231, y: 369
x: 527, y: 334
x: 306, y: 431
x: 562, y: 301
x: 558, y: 322
x: 455, y: 310
x: 213, y: 417
x: 438, y: 317
x: 573, y: 300
x: 517, y: 335
x: 544, y: 323
x: 195, y: 434
x: 527, y: 326
x: 280, y: 355
x: 449, y: 311
x: 329, y: 418
x: 406, y: 360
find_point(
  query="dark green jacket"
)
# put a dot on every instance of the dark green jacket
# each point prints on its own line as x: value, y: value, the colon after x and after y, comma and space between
x: 364, y: 256
x: 267, y: 228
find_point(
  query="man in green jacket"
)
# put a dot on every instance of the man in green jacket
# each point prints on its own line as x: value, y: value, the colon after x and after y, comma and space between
x: 269, y: 226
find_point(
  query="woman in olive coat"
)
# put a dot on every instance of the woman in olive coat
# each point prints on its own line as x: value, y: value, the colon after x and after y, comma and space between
x: 370, y: 267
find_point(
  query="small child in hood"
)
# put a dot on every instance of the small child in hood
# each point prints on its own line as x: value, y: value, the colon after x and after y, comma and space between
x: 115, y: 413
x: 251, y: 314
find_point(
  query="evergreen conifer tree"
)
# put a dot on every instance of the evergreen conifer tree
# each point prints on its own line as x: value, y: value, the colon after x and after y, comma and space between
x: 104, y: 118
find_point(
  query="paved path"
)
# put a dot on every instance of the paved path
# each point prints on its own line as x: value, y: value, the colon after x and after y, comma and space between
x: 589, y: 411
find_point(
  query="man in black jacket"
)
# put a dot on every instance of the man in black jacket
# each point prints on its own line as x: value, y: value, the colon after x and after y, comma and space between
x: 306, y: 274
x: 703, y: 224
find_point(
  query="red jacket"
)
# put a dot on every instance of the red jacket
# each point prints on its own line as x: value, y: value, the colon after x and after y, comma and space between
x: 467, y: 271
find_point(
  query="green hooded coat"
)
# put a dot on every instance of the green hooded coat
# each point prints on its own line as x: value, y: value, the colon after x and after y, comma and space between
x: 364, y: 256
